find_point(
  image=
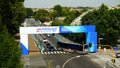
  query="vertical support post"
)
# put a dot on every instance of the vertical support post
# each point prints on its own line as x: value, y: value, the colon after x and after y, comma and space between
x: 24, y: 44
x: 48, y: 64
x: 91, y: 37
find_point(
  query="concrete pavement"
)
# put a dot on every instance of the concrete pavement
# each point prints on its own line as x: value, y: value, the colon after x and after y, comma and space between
x: 104, y: 59
x: 34, y: 59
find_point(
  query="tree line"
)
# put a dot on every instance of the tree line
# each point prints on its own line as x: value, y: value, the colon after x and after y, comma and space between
x: 12, y: 12
x: 57, y: 11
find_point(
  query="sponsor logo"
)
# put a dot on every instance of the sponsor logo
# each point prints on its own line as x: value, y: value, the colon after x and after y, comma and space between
x: 47, y: 29
x: 39, y: 29
x: 65, y: 29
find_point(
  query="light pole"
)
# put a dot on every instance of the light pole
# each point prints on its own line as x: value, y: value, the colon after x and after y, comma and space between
x: 113, y: 59
x: 69, y: 60
x: 100, y: 40
x: 48, y: 64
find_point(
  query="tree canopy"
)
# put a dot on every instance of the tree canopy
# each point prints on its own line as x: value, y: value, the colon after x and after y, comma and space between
x: 41, y: 15
x: 29, y: 12
x: 12, y: 12
x: 58, y: 9
x: 10, y: 55
x: 107, y: 22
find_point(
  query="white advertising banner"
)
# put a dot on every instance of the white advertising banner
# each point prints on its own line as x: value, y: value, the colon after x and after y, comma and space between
x: 38, y: 30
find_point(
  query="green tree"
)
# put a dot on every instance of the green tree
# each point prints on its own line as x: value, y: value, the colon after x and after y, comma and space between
x: 29, y: 12
x: 10, y: 55
x: 12, y: 12
x: 58, y: 8
x: 65, y: 11
x: 19, y: 14
x: 10, y: 15
x: 41, y: 15
x: 71, y: 16
x: 107, y: 23
x: 53, y: 15
x: 102, y: 9
x: 57, y: 23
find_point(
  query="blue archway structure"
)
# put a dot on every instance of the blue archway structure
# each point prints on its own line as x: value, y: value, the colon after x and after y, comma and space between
x: 90, y: 30
x: 91, y: 34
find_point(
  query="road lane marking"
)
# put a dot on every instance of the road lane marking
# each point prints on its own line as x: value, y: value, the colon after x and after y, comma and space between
x: 48, y: 52
x: 58, y: 52
x: 64, y: 52
x: 45, y: 53
x: 61, y: 52
x: 51, y: 52
x: 54, y: 52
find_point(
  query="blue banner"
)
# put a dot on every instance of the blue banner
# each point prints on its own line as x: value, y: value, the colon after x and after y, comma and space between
x: 76, y: 29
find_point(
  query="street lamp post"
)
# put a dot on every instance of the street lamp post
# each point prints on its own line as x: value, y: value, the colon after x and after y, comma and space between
x: 100, y: 40
x: 69, y: 60
x: 113, y: 59
x: 49, y: 63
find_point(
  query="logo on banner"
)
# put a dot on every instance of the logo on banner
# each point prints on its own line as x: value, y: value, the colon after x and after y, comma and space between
x: 47, y: 29
x: 65, y: 30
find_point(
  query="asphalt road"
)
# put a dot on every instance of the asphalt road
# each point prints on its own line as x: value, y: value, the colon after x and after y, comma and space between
x: 57, y: 60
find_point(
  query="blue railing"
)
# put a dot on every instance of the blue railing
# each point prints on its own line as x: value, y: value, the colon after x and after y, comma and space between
x: 39, y: 44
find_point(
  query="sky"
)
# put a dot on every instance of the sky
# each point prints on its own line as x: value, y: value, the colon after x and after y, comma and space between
x: 68, y: 3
